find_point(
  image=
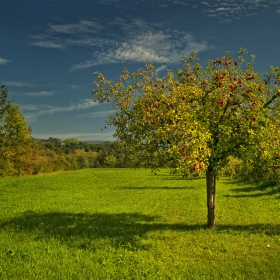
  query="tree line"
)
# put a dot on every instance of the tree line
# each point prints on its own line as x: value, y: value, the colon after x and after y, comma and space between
x: 20, y: 154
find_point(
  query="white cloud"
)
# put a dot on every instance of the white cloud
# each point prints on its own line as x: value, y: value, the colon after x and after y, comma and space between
x: 228, y: 10
x: 101, y: 113
x: 205, y: 3
x: 83, y: 26
x: 4, y: 61
x: 30, y: 107
x: 74, y: 86
x: 18, y: 84
x: 161, y: 68
x: 92, y: 62
x: 59, y: 36
x: 41, y: 93
x: 48, y: 44
x: 35, y: 111
x: 134, y: 40
x: 133, y: 24
x: 155, y: 46
x: 180, y: 2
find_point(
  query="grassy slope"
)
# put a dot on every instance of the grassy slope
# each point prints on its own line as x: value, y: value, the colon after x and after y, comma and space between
x: 129, y: 224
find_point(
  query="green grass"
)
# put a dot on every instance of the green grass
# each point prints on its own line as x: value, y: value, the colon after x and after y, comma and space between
x: 130, y: 224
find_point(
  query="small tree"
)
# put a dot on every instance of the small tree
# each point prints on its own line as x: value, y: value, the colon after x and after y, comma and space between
x: 14, y: 137
x: 198, y: 117
x: 110, y: 161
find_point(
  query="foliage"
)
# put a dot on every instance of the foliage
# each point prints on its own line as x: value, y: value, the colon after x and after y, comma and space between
x: 234, y: 167
x: 110, y: 161
x: 129, y: 224
x: 52, y: 155
x: 197, y: 117
x: 15, y: 140
x: 248, y: 171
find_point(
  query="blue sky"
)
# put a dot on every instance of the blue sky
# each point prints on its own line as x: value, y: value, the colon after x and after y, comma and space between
x: 49, y: 50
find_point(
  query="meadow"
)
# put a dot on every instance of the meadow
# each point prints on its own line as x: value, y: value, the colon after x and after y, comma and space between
x: 131, y: 224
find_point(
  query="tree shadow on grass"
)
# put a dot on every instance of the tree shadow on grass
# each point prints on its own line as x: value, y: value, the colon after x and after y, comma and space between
x: 158, y: 188
x: 259, y: 194
x: 180, y: 177
x: 264, y: 189
x: 125, y: 230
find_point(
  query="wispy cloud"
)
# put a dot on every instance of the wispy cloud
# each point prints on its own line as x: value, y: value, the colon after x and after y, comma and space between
x: 143, y: 46
x: 133, y: 24
x: 228, y: 10
x: 35, y: 111
x: 41, y: 93
x: 101, y: 113
x: 138, y: 41
x: 74, y: 86
x: 180, y: 2
x: 30, y: 107
x: 93, y: 62
x: 59, y: 36
x: 161, y: 68
x: 18, y: 84
x: 83, y: 26
x: 48, y: 45
x: 4, y: 61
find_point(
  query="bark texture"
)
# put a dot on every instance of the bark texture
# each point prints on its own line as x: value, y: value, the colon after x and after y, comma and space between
x: 211, y: 193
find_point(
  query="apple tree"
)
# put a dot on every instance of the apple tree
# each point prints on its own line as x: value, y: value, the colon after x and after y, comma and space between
x: 199, y: 116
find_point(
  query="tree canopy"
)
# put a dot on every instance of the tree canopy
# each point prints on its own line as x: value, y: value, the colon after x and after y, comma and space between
x: 199, y: 116
x: 15, y: 136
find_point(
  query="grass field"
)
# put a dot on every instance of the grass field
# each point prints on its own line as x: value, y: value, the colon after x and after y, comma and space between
x: 130, y: 224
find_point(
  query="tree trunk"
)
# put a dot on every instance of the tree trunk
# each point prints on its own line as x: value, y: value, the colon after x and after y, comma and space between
x: 211, y: 193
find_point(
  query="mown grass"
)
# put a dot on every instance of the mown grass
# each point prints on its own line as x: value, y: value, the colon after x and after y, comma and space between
x: 130, y: 224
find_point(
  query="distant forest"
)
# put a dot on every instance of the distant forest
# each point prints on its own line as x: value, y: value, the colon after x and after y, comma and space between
x: 20, y: 154
x: 54, y: 155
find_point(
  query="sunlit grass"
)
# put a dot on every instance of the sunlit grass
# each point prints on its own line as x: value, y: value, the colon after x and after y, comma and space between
x: 130, y: 224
